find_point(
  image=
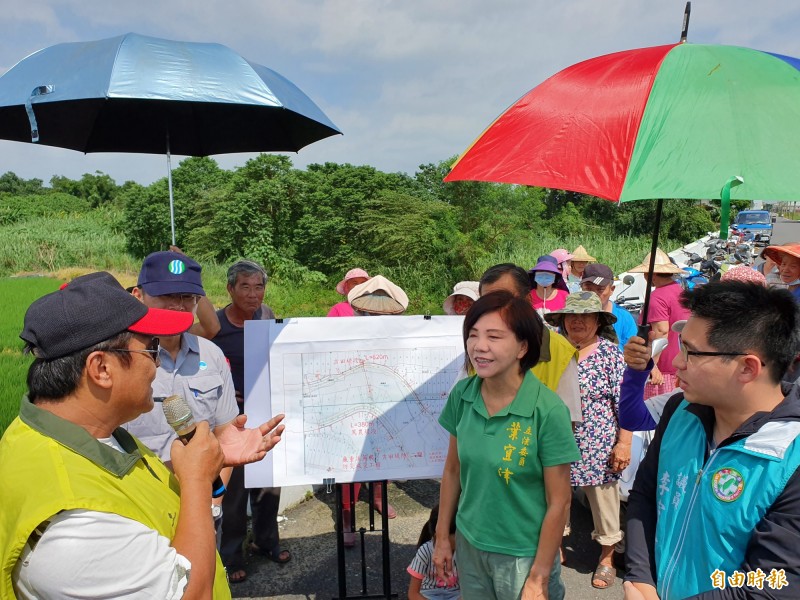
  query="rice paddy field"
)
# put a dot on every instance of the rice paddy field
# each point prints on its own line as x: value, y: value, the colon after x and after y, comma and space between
x: 17, y: 293
x: 35, y: 258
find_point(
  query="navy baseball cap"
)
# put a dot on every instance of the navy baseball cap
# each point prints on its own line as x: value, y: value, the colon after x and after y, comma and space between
x: 170, y: 273
x: 91, y: 309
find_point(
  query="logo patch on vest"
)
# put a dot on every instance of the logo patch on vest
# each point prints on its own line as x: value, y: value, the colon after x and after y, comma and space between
x: 727, y: 484
x: 176, y: 267
x: 203, y: 365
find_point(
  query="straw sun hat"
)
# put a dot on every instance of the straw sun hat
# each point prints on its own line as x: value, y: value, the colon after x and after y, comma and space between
x: 663, y: 265
x: 580, y: 255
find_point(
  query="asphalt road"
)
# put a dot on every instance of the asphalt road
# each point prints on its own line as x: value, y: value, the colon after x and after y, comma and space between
x: 307, y: 530
x: 785, y: 231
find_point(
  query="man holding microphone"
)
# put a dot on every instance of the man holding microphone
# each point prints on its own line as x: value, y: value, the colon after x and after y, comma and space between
x: 88, y: 510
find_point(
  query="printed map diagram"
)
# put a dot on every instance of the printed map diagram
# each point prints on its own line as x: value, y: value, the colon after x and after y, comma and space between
x: 376, y: 410
x: 363, y: 414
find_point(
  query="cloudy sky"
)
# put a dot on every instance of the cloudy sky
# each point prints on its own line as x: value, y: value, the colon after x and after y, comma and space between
x: 408, y: 81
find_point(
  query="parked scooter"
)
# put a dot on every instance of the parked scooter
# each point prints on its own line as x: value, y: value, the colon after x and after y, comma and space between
x: 633, y: 304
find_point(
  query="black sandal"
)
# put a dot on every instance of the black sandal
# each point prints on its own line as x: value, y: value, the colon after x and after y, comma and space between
x: 277, y: 554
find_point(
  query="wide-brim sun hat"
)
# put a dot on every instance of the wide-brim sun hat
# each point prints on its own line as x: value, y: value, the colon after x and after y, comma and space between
x: 561, y: 255
x: 663, y: 265
x: 351, y: 274
x: 548, y: 264
x: 581, y: 303
x: 462, y: 288
x: 378, y: 296
x: 581, y: 255
x: 776, y: 253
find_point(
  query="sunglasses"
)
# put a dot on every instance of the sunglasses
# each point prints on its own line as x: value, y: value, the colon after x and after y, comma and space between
x: 686, y: 353
x: 152, y: 349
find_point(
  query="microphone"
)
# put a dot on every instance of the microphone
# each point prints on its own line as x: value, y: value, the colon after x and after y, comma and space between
x: 180, y: 418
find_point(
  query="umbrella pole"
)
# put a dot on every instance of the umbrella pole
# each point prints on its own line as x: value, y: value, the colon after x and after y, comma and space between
x: 171, y: 203
x: 686, y: 14
x: 644, y: 328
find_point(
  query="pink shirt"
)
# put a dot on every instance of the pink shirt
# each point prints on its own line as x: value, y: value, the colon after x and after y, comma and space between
x: 343, y: 309
x: 665, y: 306
x: 556, y: 303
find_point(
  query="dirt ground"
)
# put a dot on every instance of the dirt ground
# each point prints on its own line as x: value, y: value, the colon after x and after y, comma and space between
x: 307, y: 530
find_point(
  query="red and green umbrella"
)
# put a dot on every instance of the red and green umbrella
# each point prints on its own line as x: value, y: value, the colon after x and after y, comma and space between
x: 674, y: 121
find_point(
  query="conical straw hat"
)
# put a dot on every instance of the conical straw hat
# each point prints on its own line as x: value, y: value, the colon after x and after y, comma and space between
x: 663, y: 265
x: 581, y: 255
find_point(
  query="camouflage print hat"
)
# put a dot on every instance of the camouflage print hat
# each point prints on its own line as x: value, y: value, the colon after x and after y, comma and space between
x: 581, y: 303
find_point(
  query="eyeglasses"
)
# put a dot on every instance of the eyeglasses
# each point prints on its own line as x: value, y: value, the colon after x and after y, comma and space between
x: 153, y: 349
x: 181, y: 299
x: 686, y: 353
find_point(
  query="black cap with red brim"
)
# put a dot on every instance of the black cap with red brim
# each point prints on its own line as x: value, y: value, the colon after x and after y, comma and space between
x: 91, y: 309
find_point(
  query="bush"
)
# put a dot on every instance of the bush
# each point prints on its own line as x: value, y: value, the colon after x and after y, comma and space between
x: 16, y: 209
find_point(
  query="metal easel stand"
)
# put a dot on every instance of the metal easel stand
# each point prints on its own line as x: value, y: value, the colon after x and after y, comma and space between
x: 340, y: 549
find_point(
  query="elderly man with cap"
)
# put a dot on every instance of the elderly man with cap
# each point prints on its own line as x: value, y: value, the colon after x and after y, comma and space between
x: 351, y: 279
x: 599, y: 278
x: 88, y: 510
x: 190, y: 365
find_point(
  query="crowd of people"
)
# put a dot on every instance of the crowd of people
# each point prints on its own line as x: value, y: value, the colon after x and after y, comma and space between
x: 556, y: 378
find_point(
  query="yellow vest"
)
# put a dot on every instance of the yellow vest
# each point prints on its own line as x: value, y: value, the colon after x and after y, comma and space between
x: 556, y: 352
x: 40, y: 476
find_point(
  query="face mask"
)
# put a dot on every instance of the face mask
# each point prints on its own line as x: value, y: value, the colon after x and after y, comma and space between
x: 544, y: 279
x: 795, y: 282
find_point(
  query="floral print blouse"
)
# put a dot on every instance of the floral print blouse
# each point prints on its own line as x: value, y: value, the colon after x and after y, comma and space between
x: 599, y: 377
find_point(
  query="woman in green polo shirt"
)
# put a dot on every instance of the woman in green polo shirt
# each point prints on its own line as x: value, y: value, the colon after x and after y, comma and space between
x: 507, y: 468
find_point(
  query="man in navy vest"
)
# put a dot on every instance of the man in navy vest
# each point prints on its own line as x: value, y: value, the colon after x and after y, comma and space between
x: 715, y: 509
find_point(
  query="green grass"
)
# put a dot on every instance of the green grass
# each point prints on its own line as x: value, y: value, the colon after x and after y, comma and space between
x: 67, y: 246
x: 61, y: 242
x: 17, y: 294
x: 619, y: 253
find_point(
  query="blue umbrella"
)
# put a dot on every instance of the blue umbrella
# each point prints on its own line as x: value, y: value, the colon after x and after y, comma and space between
x: 134, y: 93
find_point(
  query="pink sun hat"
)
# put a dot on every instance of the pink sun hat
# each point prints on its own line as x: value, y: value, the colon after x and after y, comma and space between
x: 351, y: 274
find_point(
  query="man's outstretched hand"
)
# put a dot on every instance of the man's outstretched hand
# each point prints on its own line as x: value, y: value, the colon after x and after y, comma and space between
x: 242, y: 446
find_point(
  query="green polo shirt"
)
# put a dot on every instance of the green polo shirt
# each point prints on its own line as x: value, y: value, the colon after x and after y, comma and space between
x: 502, y: 458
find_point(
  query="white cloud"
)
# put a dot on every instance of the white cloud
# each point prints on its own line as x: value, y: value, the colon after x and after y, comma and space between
x: 408, y: 81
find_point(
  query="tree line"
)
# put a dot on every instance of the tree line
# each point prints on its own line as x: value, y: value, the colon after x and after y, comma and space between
x: 312, y: 224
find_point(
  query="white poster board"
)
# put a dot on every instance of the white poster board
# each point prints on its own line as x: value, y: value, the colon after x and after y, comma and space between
x: 362, y: 396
